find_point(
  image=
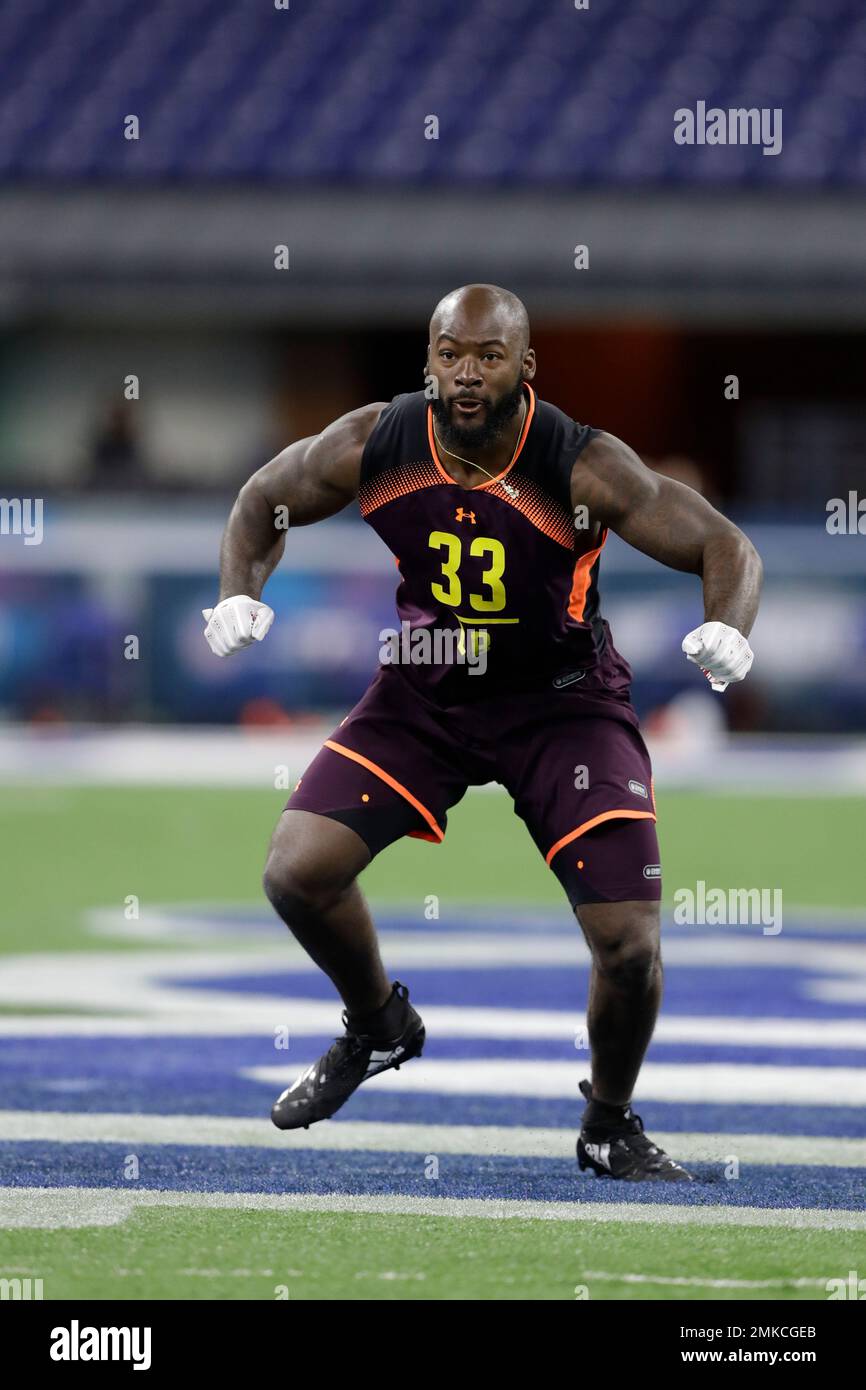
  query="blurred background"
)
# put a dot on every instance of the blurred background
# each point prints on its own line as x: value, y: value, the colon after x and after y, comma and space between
x: 156, y: 346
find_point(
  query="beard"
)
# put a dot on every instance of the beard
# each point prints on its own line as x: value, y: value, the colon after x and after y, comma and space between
x: 491, y: 428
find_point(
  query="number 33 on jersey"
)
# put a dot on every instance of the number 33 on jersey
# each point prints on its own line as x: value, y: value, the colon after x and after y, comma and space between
x: 502, y: 560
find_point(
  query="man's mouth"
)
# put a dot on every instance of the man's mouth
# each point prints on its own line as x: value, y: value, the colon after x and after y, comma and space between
x: 468, y: 408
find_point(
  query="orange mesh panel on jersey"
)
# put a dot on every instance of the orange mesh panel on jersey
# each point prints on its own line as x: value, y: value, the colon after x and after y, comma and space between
x: 396, y: 482
x: 580, y: 585
x: 539, y: 508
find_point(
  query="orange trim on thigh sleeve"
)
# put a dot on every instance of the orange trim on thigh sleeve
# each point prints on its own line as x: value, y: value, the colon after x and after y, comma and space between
x: 596, y: 820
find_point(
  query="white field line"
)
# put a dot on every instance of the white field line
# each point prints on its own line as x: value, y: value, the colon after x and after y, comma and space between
x: 684, y: 1282
x: 741, y: 1084
x: 849, y: 992
x: 74, y: 1207
x: 343, y: 1136
x: 701, y: 946
x: 309, y: 1018
x: 87, y: 978
x: 135, y: 993
x: 221, y: 925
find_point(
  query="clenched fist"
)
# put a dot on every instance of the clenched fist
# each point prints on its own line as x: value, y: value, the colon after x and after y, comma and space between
x: 235, y: 623
x: 722, y: 653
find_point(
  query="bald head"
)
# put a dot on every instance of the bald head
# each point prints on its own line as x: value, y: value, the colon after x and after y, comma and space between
x: 484, y: 312
x: 479, y: 357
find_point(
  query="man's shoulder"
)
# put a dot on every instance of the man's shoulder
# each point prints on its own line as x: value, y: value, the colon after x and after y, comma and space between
x: 563, y: 428
x: 408, y: 407
x: 560, y: 443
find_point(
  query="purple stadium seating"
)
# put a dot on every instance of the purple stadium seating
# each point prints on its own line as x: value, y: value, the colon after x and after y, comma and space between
x: 525, y: 90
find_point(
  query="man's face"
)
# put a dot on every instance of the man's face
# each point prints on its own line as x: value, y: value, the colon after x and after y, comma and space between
x: 480, y: 370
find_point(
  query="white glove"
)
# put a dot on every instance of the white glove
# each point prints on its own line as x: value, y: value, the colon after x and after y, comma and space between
x: 236, y: 623
x: 722, y: 653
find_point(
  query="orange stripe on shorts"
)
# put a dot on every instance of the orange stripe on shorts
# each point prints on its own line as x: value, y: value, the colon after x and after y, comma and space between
x: 391, y: 782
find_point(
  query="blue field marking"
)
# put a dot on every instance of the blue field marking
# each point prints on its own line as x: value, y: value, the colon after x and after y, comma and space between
x: 236, y: 1096
x: 105, y: 1057
x: 821, y: 924
x: 204, y: 1076
x: 220, y: 1168
x: 201, y: 1076
x: 839, y: 1121
x: 734, y: 991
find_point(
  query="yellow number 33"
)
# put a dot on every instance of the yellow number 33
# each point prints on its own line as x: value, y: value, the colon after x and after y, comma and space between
x: 451, y: 592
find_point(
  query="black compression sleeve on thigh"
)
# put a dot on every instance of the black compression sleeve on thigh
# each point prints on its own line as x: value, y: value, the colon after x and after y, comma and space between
x: 379, y: 826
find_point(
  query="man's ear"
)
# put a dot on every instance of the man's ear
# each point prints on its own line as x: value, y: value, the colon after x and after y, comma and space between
x: 529, y: 364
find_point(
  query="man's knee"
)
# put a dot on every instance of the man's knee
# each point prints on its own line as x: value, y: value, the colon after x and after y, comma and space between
x: 293, y: 885
x: 630, y: 965
x: 624, y: 941
x: 309, y: 868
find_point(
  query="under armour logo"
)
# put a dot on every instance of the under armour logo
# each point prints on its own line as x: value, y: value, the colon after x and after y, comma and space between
x: 462, y: 515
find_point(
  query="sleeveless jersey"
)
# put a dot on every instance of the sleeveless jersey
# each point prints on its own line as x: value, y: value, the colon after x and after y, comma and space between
x: 497, y: 576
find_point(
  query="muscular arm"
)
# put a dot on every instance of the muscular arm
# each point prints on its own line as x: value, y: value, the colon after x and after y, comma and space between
x: 311, y: 479
x: 673, y: 524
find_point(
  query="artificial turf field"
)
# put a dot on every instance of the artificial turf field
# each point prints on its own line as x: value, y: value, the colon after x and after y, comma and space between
x: 140, y: 1058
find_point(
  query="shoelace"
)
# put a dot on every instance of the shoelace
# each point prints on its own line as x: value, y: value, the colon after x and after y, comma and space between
x: 355, y: 1041
x: 633, y: 1131
x: 351, y: 1043
x: 641, y: 1142
x: 340, y: 1053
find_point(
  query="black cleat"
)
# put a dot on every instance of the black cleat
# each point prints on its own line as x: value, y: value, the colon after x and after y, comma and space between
x: 623, y: 1151
x: 319, y: 1092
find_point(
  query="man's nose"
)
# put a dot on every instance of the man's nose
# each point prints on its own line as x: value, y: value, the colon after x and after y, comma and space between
x: 469, y: 373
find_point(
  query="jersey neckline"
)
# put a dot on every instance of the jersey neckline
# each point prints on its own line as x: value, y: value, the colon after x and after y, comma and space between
x: 491, y: 482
